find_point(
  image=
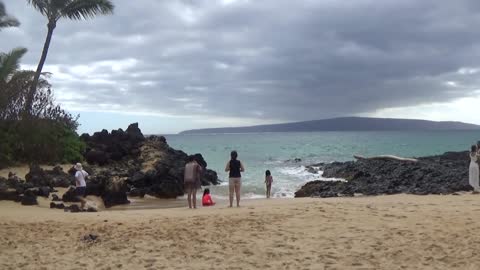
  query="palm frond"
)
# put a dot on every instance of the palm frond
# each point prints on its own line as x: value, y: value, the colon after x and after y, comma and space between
x: 41, y: 5
x: 56, y: 7
x: 5, y: 20
x: 84, y: 9
x: 10, y: 62
x: 8, y: 22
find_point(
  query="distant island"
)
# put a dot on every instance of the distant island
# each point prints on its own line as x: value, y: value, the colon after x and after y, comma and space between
x: 344, y: 124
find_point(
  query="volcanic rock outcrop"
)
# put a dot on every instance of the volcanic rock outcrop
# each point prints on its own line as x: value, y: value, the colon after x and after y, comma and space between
x: 118, y: 163
x: 442, y: 174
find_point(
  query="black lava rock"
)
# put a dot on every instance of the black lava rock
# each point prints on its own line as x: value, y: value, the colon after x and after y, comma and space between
x: 442, y: 174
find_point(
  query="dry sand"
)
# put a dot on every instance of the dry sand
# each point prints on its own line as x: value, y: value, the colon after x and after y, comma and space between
x: 385, y: 232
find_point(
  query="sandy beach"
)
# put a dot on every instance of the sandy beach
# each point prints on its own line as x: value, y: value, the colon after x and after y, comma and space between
x: 384, y: 232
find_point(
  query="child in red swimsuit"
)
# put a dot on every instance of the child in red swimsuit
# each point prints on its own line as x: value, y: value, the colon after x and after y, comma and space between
x: 207, y: 199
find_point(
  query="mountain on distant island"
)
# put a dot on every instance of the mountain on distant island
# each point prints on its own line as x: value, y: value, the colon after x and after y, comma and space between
x: 343, y: 124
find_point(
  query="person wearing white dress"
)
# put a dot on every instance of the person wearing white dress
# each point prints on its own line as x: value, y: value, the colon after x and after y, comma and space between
x: 473, y: 175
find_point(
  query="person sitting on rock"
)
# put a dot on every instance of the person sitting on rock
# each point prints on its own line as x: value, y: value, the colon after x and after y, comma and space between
x: 80, y: 184
x: 207, y: 199
x: 191, y: 180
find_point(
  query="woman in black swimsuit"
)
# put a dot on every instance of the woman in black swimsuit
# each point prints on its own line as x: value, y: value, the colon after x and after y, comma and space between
x: 234, y: 167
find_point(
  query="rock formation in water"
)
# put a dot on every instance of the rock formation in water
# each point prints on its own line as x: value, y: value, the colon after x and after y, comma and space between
x: 442, y: 174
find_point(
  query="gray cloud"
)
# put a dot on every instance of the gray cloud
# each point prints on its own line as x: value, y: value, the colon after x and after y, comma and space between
x: 273, y: 59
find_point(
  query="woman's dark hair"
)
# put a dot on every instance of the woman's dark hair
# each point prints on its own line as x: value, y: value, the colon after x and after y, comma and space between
x: 206, y: 191
x: 268, y: 173
x: 190, y: 158
x: 473, y: 149
x: 234, y: 155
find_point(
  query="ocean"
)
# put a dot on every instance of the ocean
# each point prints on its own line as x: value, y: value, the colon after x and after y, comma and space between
x: 277, y: 152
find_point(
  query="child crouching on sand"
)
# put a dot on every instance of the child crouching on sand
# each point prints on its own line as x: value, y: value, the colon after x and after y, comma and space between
x: 207, y: 199
x: 268, y: 183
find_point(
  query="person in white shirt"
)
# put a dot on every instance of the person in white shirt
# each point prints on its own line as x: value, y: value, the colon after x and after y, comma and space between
x: 80, y: 183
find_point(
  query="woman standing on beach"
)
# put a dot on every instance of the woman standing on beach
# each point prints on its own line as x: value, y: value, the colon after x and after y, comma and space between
x: 234, y: 167
x: 473, y: 176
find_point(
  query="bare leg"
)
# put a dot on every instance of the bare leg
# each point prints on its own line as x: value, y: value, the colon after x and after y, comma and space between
x: 195, y: 197
x: 189, y: 198
x: 231, y: 187
x: 266, y: 192
x: 238, y: 184
x: 82, y: 202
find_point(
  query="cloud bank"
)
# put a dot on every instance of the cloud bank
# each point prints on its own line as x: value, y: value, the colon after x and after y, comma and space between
x: 270, y: 60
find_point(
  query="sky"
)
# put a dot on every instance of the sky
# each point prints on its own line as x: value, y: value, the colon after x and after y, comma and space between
x: 184, y: 64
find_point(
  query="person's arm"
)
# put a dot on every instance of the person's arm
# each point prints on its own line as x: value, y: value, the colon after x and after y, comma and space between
x: 266, y: 179
x: 242, y: 169
x: 227, y: 167
x: 210, y: 200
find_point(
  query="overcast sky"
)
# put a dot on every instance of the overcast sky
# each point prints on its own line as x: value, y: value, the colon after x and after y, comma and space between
x: 176, y: 65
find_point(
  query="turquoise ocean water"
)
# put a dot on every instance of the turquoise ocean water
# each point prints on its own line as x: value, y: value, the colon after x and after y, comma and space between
x: 276, y: 151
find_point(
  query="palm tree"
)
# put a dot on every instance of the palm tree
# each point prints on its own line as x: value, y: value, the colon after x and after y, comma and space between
x: 5, y: 20
x: 54, y: 10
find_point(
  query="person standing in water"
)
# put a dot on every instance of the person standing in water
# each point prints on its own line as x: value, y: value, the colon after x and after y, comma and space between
x: 234, y: 168
x: 473, y: 172
x: 191, y: 180
x: 268, y: 183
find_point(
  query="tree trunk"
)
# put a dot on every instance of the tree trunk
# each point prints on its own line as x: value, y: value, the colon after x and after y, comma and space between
x: 33, y: 88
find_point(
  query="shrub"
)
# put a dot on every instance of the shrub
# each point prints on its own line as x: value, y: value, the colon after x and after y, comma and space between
x: 38, y: 141
x: 73, y: 147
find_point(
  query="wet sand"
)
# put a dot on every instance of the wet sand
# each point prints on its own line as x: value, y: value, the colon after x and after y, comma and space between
x: 385, y: 232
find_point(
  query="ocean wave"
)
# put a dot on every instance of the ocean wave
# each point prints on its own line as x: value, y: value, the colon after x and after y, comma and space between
x: 299, y: 171
x: 287, y: 180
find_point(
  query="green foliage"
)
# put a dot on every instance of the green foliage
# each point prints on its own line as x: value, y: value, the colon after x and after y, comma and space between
x: 38, y: 141
x: 8, y: 137
x: 73, y: 147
